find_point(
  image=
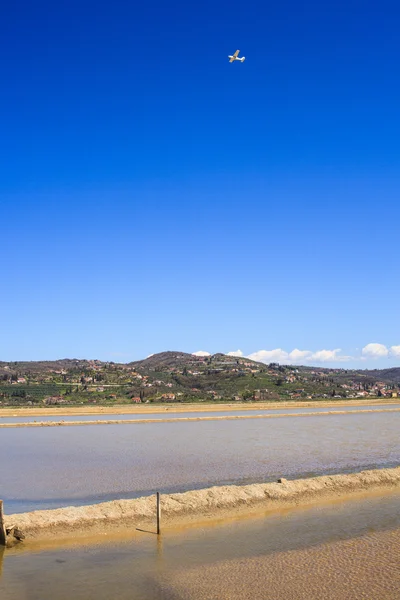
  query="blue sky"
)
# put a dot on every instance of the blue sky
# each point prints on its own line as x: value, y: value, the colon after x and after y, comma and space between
x: 154, y: 196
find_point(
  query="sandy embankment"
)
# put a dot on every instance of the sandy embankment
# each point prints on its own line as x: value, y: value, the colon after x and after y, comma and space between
x: 35, y: 411
x: 215, y: 502
x: 179, y: 419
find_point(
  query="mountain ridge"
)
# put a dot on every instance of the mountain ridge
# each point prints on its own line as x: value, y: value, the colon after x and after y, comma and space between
x: 182, y: 377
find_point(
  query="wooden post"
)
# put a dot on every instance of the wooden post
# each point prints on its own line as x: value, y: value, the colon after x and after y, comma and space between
x: 3, y: 534
x: 2, y: 550
x: 158, y: 513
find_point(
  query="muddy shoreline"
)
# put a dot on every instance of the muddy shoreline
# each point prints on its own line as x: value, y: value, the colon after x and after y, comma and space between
x: 190, y: 419
x: 178, y: 407
x: 193, y: 506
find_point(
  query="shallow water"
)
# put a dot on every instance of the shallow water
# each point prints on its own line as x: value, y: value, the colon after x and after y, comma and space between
x: 170, y: 414
x: 54, y: 467
x: 313, y: 549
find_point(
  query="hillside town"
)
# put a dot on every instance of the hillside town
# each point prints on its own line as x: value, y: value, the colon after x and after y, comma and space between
x: 180, y: 377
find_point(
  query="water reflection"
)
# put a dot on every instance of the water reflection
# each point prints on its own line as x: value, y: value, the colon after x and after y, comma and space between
x: 52, y: 467
x: 146, y: 566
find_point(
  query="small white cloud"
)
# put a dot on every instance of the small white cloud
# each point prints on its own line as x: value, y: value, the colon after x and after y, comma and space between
x: 268, y: 356
x: 201, y: 353
x: 395, y: 351
x: 297, y: 355
x: 330, y: 356
x: 235, y: 353
x: 375, y: 351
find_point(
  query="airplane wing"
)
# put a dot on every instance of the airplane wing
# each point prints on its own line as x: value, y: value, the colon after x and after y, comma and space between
x: 236, y: 53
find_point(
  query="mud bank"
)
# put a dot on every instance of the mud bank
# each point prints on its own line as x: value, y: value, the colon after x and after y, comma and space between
x: 179, y: 419
x: 35, y: 411
x: 215, y: 502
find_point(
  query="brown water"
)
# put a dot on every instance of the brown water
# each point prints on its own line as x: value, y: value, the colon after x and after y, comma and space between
x: 53, y: 467
x: 345, y: 550
x: 364, y: 568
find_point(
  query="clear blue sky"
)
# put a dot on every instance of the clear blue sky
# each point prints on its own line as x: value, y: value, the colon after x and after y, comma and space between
x: 154, y: 196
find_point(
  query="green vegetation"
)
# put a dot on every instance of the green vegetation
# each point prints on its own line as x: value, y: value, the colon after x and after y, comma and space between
x: 181, y: 377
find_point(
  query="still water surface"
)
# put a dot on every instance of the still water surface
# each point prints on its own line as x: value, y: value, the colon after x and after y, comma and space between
x: 176, y: 564
x: 54, y: 467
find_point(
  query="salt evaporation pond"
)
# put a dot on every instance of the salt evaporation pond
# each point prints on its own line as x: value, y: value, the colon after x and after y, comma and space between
x: 170, y: 414
x: 342, y: 550
x: 54, y: 467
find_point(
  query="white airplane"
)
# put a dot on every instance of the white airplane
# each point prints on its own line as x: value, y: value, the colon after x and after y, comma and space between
x: 236, y: 57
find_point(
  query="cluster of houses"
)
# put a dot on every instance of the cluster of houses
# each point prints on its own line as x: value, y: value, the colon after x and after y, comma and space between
x: 95, y: 376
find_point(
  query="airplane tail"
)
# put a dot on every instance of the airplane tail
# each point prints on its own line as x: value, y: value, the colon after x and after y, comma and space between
x: 242, y: 59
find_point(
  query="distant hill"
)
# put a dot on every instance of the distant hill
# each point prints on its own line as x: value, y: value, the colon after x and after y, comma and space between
x: 181, y: 377
x: 390, y: 375
x: 165, y: 360
x: 43, y: 366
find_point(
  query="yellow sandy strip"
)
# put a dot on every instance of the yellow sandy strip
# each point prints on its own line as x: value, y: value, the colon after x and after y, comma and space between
x: 191, y: 506
x: 188, y: 419
x: 34, y: 411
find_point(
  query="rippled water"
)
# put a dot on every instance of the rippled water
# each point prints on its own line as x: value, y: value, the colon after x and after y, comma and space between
x: 52, y: 467
x: 347, y: 550
x: 168, y: 414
